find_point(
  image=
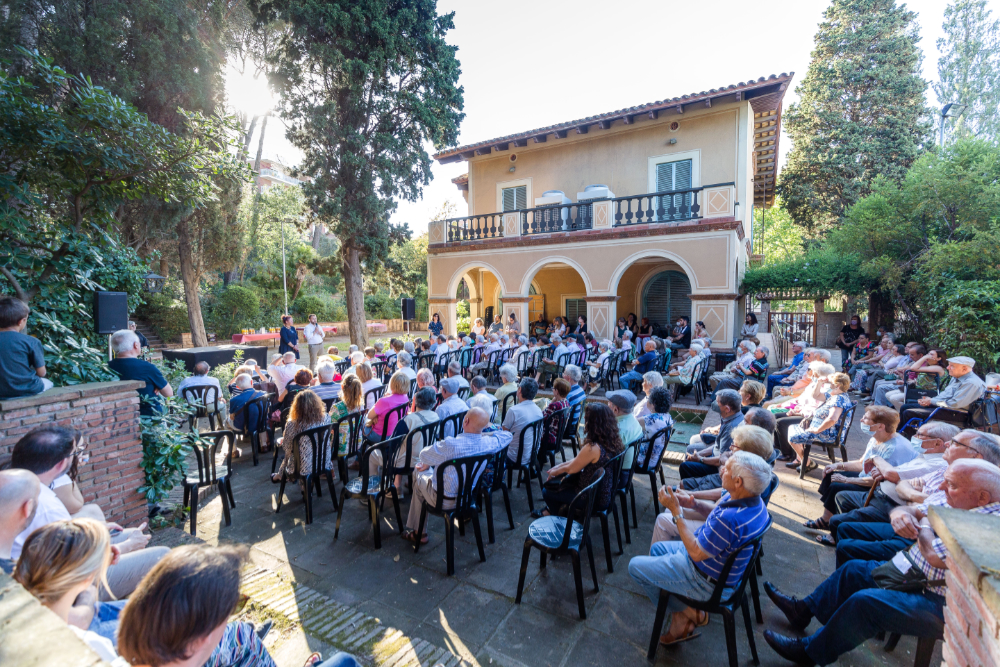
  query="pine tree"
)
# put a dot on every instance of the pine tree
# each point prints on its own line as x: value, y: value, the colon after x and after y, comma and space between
x: 861, y: 111
x: 969, y: 69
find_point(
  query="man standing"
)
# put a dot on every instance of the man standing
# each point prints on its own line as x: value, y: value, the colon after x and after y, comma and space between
x: 952, y: 404
x: 314, y: 334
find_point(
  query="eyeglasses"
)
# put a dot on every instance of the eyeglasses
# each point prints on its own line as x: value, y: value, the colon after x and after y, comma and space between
x: 959, y: 444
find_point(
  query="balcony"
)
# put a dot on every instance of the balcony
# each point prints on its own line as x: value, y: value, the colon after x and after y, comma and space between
x: 278, y: 176
x: 669, y: 208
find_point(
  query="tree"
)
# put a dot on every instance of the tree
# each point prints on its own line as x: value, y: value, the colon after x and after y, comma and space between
x: 783, y: 239
x: 969, y: 69
x: 365, y: 84
x: 861, y: 111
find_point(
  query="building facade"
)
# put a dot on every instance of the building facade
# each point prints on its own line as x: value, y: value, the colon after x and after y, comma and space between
x: 646, y: 210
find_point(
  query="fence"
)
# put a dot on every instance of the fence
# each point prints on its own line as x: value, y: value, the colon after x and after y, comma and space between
x: 798, y: 326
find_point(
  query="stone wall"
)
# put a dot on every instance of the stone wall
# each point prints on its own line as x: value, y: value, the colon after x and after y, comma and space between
x: 972, y: 610
x: 108, y: 412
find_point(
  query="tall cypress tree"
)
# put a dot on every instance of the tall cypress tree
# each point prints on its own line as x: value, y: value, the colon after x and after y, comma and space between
x: 861, y: 111
x: 969, y: 69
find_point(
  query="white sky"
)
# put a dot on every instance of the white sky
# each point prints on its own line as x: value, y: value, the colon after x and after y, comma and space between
x: 528, y: 64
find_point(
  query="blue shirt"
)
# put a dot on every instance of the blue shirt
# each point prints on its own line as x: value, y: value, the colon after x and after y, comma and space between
x: 645, y: 362
x: 238, y: 401
x: 576, y: 396
x: 796, y: 360
x: 20, y: 356
x: 435, y: 327
x: 132, y: 368
x: 731, y: 524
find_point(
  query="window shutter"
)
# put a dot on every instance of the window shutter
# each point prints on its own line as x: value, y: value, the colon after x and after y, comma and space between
x: 674, y: 176
x: 666, y: 298
x: 515, y: 198
x: 574, y: 309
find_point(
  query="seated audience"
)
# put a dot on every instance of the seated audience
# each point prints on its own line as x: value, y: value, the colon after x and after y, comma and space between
x: 601, y: 443
x: 201, y: 378
x: 552, y: 437
x: 853, y: 608
x: 22, y: 359
x: 755, y: 370
x: 334, y: 353
x: 421, y: 414
x: 404, y: 363
x: 755, y: 417
x: 368, y: 382
x: 19, y: 491
x: 900, y: 374
x: 351, y: 402
x: 477, y: 388
x: 655, y: 420
x: 455, y: 371
x: 425, y: 378
x: 798, y: 349
x: 684, y: 372
x: 549, y: 367
x: 307, y: 411
x: 451, y: 404
x: 327, y: 386
x: 951, y: 405
x: 751, y: 395
x: 472, y: 441
x: 792, y: 410
x: 702, y: 460
x: 745, y: 356
x: 128, y: 366
x: 823, y: 420
x: 508, y: 375
x: 690, y: 566
x: 68, y: 491
x: 520, y: 415
x: 797, y: 382
x: 680, y: 339
x: 302, y: 381
x: 621, y: 403
x: 924, y: 374
x: 283, y: 371
x: 650, y: 380
x: 574, y: 375
x: 381, y: 420
x: 244, y: 418
x: 643, y: 364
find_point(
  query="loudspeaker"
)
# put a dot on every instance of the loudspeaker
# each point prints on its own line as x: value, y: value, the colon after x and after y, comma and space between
x: 110, y: 311
x: 409, y: 308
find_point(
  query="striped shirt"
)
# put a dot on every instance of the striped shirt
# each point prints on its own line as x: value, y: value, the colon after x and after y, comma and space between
x: 576, y: 396
x: 459, y: 446
x: 730, y: 525
x: 941, y: 551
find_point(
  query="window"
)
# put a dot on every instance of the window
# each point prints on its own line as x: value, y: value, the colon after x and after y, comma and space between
x: 673, y: 176
x: 515, y: 198
x: 574, y: 309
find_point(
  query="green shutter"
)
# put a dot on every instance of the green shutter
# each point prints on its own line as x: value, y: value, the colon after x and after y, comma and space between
x: 674, y: 176
x: 515, y: 198
x: 666, y: 298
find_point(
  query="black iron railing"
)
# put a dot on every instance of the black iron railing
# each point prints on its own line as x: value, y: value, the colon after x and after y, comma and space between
x: 474, y: 228
x: 559, y: 218
x: 667, y: 206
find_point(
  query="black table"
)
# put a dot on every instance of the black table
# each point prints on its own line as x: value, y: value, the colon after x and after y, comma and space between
x: 215, y: 355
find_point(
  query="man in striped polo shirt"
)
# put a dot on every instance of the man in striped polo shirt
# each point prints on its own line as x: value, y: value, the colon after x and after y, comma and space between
x: 691, y: 566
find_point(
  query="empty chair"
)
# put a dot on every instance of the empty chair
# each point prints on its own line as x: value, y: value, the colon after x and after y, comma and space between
x: 489, y: 483
x: 526, y: 464
x: 211, y: 473
x: 372, y: 488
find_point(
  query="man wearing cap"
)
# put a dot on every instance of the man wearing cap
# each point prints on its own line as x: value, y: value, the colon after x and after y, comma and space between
x: 451, y: 404
x: 951, y: 405
x: 622, y: 402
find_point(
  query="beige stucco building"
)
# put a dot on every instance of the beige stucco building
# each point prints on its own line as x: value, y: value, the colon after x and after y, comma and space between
x: 646, y: 210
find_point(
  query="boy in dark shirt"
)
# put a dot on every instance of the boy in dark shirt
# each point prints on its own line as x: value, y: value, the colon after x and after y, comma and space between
x: 22, y: 361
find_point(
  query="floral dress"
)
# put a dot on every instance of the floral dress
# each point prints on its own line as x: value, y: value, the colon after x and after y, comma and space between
x: 337, y: 412
x: 798, y: 435
x: 651, y: 424
x: 291, y: 430
x: 862, y: 352
x: 552, y: 437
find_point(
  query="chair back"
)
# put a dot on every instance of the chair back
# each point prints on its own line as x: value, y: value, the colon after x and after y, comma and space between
x: 390, y: 360
x: 424, y: 360
x: 451, y: 425
x: 844, y: 424
x: 388, y: 447
x: 354, y: 422
x: 201, y: 397
x: 495, y: 360
x: 375, y: 393
x: 555, y: 422
x: 581, y: 506
x: 255, y: 413
x: 663, y: 363
x: 628, y: 466
x: 329, y: 402
x: 565, y: 359
x: 400, y: 412
x: 412, y: 389
x: 523, y: 444
x: 525, y: 363
x: 493, y: 415
x: 206, y: 450
x: 499, y: 469
x: 737, y: 594
x: 379, y: 369
x: 647, y: 459
x: 319, y: 438
x: 614, y: 468
x: 582, y: 355
x: 464, y: 476
x: 509, y: 401
x: 467, y: 356
x: 463, y: 393
x: 342, y: 365
x: 573, y: 420
x: 607, y: 366
x: 428, y: 436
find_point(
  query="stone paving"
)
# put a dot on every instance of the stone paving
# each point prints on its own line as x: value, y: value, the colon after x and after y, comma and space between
x: 405, y: 609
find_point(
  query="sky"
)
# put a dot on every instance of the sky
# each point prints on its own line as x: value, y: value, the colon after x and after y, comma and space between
x: 531, y: 63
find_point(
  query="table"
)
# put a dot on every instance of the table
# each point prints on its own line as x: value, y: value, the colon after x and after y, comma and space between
x: 247, y: 338
x: 215, y: 355
x: 377, y: 326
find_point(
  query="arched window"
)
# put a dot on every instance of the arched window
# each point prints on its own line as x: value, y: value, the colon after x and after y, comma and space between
x: 665, y: 298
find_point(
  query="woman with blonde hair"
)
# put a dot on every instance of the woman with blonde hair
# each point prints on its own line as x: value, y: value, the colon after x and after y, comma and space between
x: 61, y: 561
x: 478, y: 328
x: 351, y: 402
x: 368, y: 382
x: 381, y: 421
x: 752, y: 394
x: 308, y: 411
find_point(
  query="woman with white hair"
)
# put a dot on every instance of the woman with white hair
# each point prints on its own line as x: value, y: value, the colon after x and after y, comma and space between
x: 745, y: 355
x: 791, y: 410
x: 684, y: 373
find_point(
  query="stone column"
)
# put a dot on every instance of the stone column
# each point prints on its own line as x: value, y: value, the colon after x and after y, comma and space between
x: 718, y: 312
x: 765, y: 314
x: 519, y: 306
x: 446, y: 307
x: 476, y: 309
x: 819, y: 305
x: 601, y: 312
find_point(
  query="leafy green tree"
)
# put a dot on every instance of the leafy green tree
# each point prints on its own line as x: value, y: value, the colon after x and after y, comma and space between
x: 783, y: 239
x: 969, y: 69
x: 861, y: 111
x: 366, y: 85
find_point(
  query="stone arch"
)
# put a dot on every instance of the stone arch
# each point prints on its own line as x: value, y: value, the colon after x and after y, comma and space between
x: 461, y: 271
x: 529, y: 275
x: 624, y: 265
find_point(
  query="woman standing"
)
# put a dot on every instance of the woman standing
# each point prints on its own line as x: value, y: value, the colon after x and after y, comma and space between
x: 289, y: 336
x: 435, y: 327
x: 750, y: 328
x: 601, y: 443
x: 513, y: 326
x: 307, y: 412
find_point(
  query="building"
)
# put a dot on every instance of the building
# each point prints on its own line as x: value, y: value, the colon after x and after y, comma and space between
x: 273, y: 173
x: 645, y: 210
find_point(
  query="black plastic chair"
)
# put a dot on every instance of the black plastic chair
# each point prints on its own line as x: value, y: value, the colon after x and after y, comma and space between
x: 355, y: 424
x: 373, y: 488
x: 258, y: 416
x: 605, y: 373
x: 843, y: 428
x: 526, y: 364
x: 499, y: 468
x: 428, y: 436
x: 379, y: 369
x: 663, y: 363
x: 200, y: 398
x: 467, y: 470
x: 210, y: 473
x: 319, y: 438
x: 451, y: 425
x: 647, y: 465
x: 614, y: 468
x: 623, y: 486
x: 716, y: 605
x: 925, y: 648
x: 527, y: 470
x: 376, y: 393
x: 509, y: 401
x: 554, y: 421
x: 463, y: 393
x: 400, y: 411
x: 557, y: 535
x: 412, y: 389
x: 571, y: 434
x: 342, y: 365
x: 425, y: 360
x: 329, y: 403
x: 441, y: 370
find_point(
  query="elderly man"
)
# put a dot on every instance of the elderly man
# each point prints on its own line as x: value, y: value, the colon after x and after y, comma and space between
x: 471, y: 442
x: 684, y: 372
x: 745, y: 356
x: 357, y: 358
x: 550, y: 367
x: 129, y: 366
x: 573, y: 375
x: 622, y: 402
x: 244, y: 419
x: 142, y: 339
x: 519, y: 416
x: 703, y: 460
x: 19, y: 491
x: 201, y: 378
x: 508, y: 375
x: 746, y: 438
x: 758, y: 417
x: 404, y: 362
x: 283, y: 371
x: 477, y: 387
x: 853, y: 608
x: 451, y: 404
x: 326, y: 388
x: 799, y: 349
x: 455, y: 372
x: 643, y: 364
x: 952, y: 404
x: 522, y: 347
x: 484, y: 361
x: 690, y: 566
x: 755, y: 370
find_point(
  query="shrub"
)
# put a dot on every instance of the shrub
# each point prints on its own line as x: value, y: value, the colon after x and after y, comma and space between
x: 308, y: 304
x: 235, y: 308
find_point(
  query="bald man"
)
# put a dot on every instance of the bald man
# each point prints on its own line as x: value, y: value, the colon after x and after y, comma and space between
x: 18, y: 502
x: 471, y: 442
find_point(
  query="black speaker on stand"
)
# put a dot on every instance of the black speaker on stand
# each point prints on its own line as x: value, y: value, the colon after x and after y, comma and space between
x: 409, y: 308
x: 110, y: 314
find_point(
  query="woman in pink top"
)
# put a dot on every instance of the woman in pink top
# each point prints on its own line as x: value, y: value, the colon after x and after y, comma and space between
x: 381, y: 422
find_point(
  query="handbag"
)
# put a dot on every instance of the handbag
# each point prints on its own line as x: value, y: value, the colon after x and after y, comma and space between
x: 888, y: 576
x: 560, y: 483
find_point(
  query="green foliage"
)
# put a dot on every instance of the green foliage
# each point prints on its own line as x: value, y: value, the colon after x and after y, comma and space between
x: 969, y: 69
x: 965, y: 319
x: 783, y: 239
x: 165, y: 448
x: 173, y: 370
x: 382, y: 306
x: 462, y: 320
x: 224, y: 372
x: 166, y: 312
x: 70, y: 360
x: 861, y: 111
x: 306, y: 305
x: 235, y: 308
x: 819, y: 272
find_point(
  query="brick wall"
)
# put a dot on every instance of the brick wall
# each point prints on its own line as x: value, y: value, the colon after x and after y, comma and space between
x: 108, y: 412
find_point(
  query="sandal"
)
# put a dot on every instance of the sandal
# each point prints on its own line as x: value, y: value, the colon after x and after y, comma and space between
x: 817, y: 524
x: 314, y: 659
x: 826, y: 540
x: 691, y: 634
x: 411, y: 536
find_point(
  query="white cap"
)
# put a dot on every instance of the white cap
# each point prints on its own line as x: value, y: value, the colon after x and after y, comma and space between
x: 965, y: 361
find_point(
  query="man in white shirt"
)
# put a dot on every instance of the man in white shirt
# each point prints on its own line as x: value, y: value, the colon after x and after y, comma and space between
x: 201, y: 378
x: 450, y: 403
x: 314, y: 335
x: 48, y: 452
x: 522, y: 347
x: 519, y: 416
x: 484, y: 361
x: 455, y: 372
x: 284, y: 370
x: 19, y: 491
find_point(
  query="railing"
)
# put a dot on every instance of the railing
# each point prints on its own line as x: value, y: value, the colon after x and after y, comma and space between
x: 278, y: 176
x: 558, y: 218
x: 474, y: 228
x: 782, y: 345
x: 794, y: 326
x: 666, y: 206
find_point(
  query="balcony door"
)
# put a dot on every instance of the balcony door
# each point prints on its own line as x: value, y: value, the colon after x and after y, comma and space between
x: 665, y: 298
x: 673, y: 176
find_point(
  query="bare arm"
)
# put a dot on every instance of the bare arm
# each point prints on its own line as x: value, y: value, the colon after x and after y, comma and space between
x: 588, y: 454
x: 71, y: 497
x: 908, y: 491
x: 925, y: 540
x: 40, y: 371
x: 167, y: 391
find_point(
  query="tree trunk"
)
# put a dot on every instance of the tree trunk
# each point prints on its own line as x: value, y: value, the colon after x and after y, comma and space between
x: 354, y: 297
x: 316, y: 235
x: 260, y: 146
x: 164, y: 268
x: 190, y: 277
x: 881, y: 312
x: 247, y: 137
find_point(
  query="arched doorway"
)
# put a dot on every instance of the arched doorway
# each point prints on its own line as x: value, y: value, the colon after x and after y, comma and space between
x: 665, y: 298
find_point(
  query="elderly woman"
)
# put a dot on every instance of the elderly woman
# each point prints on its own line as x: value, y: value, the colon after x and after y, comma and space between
x: 689, y: 566
x: 684, y: 373
x: 791, y: 410
x: 308, y: 411
x: 755, y: 370
x: 751, y: 394
x: 922, y: 373
x: 650, y: 381
x: 655, y: 420
x: 822, y: 421
x: 381, y: 421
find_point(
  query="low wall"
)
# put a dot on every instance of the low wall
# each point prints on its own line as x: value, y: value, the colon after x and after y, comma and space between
x: 108, y: 412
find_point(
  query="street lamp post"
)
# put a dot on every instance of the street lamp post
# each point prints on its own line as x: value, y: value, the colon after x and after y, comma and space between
x: 950, y: 110
x: 284, y: 277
